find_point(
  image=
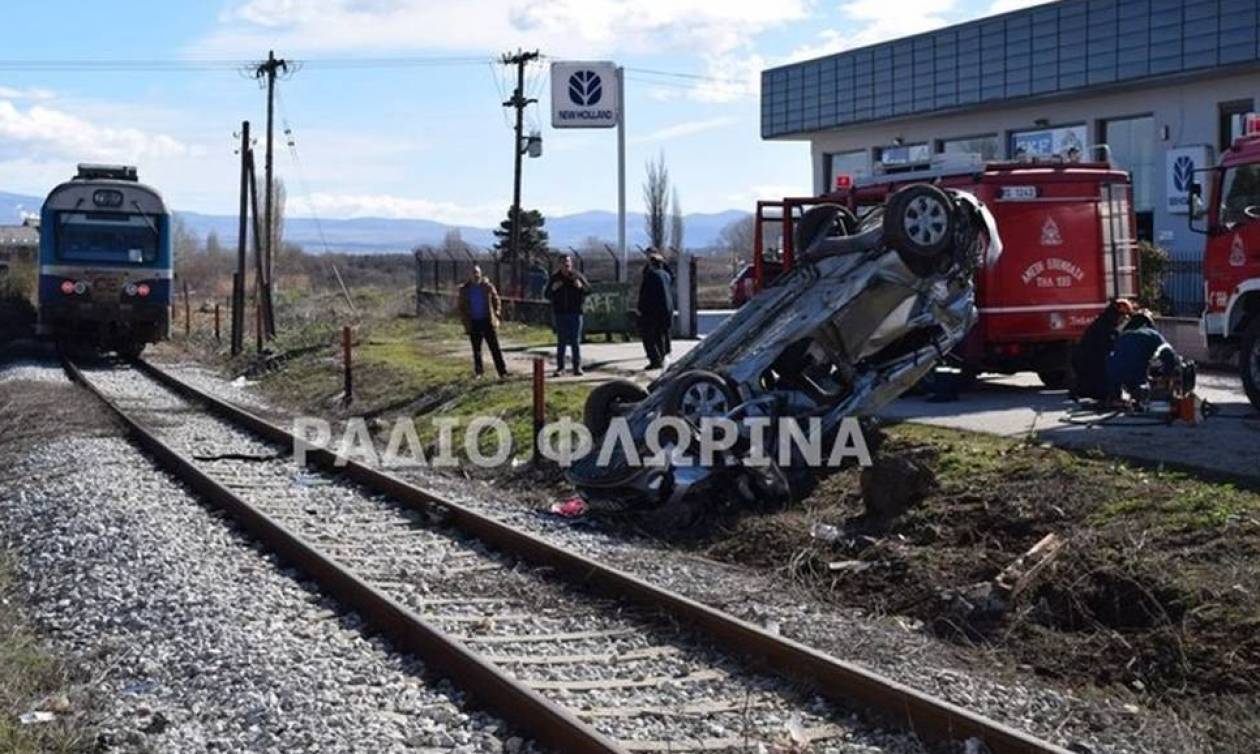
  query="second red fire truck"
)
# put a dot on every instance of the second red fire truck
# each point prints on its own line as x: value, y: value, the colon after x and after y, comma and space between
x: 1067, y: 230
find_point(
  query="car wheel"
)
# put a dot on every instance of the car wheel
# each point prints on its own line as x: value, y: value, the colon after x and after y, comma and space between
x: 1249, y: 362
x: 919, y: 223
x: 608, y: 401
x: 696, y: 394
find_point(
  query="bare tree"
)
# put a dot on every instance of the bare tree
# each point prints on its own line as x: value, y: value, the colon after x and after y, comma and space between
x: 656, y: 202
x: 736, y: 240
x: 676, y: 224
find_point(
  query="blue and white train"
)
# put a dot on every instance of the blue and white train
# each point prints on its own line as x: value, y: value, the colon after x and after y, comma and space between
x: 105, y: 261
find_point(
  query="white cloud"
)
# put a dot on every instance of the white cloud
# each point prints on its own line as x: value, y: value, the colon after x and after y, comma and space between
x: 42, y: 133
x: 1003, y: 6
x: 687, y: 128
x: 558, y: 27
x: 34, y: 93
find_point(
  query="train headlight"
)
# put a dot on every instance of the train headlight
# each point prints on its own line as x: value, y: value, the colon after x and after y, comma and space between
x: 67, y: 287
x: 80, y: 288
x: 131, y: 289
x: 142, y: 290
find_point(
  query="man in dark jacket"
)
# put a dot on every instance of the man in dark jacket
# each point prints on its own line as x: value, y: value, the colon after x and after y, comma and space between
x: 656, y: 310
x: 479, y: 308
x: 1089, y: 358
x: 567, y: 291
x: 1129, y: 364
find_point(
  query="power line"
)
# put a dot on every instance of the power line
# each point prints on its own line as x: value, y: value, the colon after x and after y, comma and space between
x: 680, y: 75
x: 194, y: 65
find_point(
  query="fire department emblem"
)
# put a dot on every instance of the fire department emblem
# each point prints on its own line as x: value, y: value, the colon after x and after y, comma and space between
x: 1237, y: 252
x: 1050, y: 235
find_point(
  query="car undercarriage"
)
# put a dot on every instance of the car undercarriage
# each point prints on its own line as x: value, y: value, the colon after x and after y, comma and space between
x: 870, y: 306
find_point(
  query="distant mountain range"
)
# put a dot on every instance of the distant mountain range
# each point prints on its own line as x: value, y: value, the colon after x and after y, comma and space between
x: 377, y: 234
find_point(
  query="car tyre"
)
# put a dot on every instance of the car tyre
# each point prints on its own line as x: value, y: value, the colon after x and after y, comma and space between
x: 608, y: 401
x: 698, y: 393
x: 919, y: 224
x: 1249, y: 362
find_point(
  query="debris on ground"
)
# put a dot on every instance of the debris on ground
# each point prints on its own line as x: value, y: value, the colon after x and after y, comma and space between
x: 893, y: 484
x: 574, y: 507
x: 1073, y: 567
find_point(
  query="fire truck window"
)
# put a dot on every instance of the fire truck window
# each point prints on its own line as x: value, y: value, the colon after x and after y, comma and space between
x: 1240, y: 189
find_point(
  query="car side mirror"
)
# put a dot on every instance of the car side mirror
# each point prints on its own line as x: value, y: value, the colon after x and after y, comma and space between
x: 1196, y: 207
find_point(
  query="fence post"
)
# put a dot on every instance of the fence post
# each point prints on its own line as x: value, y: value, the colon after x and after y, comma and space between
x: 187, y: 312
x: 540, y: 407
x: 217, y: 339
x: 346, y: 364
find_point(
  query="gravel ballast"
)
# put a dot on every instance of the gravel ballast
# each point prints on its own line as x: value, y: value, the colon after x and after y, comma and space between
x: 634, y: 677
x: 197, y: 641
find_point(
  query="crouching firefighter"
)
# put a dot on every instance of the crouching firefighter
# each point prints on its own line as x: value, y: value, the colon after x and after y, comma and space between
x: 1138, y: 348
x: 1089, y: 359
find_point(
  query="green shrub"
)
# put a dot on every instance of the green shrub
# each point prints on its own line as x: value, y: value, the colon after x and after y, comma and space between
x: 1153, y: 266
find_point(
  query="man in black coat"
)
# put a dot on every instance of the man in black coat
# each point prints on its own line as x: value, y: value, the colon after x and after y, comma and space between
x: 567, y: 291
x: 656, y: 310
x: 1089, y: 359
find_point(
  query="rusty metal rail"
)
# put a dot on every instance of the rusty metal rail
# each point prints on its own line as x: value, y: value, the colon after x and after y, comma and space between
x: 926, y: 716
x: 521, y: 706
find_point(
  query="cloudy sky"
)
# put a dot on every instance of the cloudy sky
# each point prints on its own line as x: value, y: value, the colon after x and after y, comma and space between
x: 418, y: 130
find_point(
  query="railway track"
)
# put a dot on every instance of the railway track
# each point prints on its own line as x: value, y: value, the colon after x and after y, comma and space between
x: 577, y: 655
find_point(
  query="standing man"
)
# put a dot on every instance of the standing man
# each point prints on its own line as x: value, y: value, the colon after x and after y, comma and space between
x: 479, y: 309
x: 656, y: 310
x: 567, y: 291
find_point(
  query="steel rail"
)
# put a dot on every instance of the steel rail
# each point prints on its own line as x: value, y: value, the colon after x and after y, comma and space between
x: 845, y: 682
x: 545, y: 721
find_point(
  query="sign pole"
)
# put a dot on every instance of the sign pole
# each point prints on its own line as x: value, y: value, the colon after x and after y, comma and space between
x: 621, y: 173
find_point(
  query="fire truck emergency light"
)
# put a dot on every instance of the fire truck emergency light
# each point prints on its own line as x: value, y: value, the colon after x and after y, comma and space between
x: 844, y: 182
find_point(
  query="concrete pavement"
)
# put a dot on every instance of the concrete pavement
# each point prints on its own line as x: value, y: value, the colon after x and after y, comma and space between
x: 1226, y: 445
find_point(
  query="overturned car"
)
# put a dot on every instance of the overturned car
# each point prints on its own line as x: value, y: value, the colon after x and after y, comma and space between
x: 870, y: 306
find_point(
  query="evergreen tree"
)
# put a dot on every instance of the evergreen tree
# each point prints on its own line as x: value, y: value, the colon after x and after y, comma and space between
x: 533, y: 238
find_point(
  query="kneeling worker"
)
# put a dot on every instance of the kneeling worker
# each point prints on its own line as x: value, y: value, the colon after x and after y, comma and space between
x: 1128, y: 366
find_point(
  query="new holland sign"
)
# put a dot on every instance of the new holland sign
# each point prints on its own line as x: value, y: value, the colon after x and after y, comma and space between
x: 1182, y: 162
x: 584, y: 94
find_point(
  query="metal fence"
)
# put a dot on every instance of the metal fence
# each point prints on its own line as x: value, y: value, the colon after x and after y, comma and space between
x: 444, y: 270
x: 1182, y: 287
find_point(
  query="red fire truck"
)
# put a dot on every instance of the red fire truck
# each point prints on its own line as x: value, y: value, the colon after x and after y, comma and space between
x: 1068, y: 247
x: 1231, y: 256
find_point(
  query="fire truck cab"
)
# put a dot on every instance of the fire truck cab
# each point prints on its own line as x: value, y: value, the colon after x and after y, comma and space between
x: 1068, y: 248
x: 1231, y: 256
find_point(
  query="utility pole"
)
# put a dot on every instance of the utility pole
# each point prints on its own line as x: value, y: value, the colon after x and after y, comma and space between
x: 519, y: 102
x: 269, y: 69
x: 238, y: 279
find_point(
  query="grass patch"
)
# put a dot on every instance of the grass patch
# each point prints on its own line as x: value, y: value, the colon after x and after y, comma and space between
x: 29, y: 676
x: 1170, y: 501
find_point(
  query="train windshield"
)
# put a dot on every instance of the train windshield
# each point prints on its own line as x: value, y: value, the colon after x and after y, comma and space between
x: 117, y: 237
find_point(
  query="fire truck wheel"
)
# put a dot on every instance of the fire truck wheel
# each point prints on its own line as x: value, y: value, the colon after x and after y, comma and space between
x: 1055, y: 378
x: 609, y: 401
x: 919, y: 224
x: 1249, y: 362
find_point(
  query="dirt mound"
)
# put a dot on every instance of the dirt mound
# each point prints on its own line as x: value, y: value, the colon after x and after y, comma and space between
x: 1152, y: 589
